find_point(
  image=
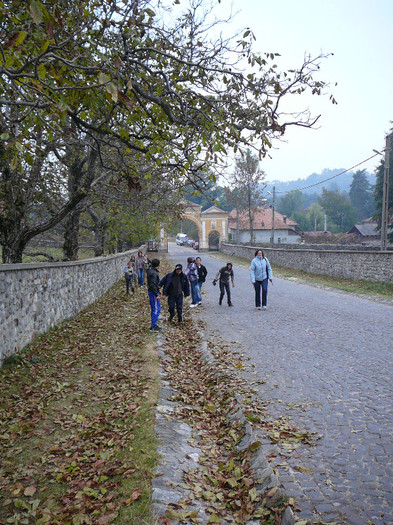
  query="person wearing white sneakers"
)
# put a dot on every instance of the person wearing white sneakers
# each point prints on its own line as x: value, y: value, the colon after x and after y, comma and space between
x: 260, y: 274
x: 191, y: 272
x: 202, y: 272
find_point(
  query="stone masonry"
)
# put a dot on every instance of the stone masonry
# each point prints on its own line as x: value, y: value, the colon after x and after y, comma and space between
x: 36, y: 297
x: 362, y: 265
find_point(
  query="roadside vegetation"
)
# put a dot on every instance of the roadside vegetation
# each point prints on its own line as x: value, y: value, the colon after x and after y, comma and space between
x: 52, y: 254
x: 77, y: 419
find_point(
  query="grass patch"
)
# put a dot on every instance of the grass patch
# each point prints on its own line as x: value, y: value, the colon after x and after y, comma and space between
x: 77, y: 419
x: 349, y: 285
x: 57, y: 253
x: 370, y: 288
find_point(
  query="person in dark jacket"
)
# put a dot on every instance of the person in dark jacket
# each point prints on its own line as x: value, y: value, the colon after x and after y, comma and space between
x: 224, y: 275
x: 174, y: 285
x: 153, y: 290
x: 202, y: 272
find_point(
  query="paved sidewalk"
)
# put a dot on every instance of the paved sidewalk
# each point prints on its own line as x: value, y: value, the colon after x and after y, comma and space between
x: 326, y: 361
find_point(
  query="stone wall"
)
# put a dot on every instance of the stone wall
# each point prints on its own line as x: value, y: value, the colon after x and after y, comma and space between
x: 36, y: 297
x: 362, y: 265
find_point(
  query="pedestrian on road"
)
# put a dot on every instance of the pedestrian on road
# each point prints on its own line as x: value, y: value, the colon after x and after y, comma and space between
x: 224, y: 275
x: 202, y: 272
x: 128, y: 274
x: 260, y: 274
x: 153, y: 290
x: 140, y: 260
x: 191, y: 273
x: 174, y: 285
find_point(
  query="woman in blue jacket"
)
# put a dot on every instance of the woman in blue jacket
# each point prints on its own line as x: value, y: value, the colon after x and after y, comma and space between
x: 260, y: 273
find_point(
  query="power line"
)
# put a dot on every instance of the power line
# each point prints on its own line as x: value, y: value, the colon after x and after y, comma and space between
x: 334, y: 176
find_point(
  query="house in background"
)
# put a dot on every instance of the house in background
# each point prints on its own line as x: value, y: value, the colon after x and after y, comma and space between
x: 286, y: 231
x: 367, y: 232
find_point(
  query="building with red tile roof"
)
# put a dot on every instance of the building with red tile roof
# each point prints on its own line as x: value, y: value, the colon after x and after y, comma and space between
x: 286, y: 230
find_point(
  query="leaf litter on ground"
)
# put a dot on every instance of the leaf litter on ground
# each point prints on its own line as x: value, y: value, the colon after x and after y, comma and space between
x: 78, y: 402
x: 77, y: 415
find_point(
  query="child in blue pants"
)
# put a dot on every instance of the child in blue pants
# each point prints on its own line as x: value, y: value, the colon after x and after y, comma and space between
x: 153, y: 290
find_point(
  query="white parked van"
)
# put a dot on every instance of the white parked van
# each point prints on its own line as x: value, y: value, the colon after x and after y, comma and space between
x: 181, y: 239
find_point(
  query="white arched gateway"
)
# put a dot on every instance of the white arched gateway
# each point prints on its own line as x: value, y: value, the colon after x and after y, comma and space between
x: 211, y: 220
x: 211, y: 223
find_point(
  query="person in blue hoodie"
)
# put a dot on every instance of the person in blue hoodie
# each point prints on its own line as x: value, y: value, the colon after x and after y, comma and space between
x: 260, y: 274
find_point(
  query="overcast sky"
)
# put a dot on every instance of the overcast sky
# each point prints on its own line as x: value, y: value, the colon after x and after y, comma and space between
x: 359, y: 33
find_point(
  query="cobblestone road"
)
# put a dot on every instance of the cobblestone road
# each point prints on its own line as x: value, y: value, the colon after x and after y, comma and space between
x: 326, y: 361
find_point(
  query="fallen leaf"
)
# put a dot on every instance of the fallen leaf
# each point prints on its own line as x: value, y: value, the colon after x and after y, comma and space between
x: 136, y: 494
x: 303, y: 469
x: 106, y: 518
x: 272, y: 492
x: 30, y: 491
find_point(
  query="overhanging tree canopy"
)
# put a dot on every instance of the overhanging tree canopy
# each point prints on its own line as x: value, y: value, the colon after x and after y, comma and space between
x: 127, y: 77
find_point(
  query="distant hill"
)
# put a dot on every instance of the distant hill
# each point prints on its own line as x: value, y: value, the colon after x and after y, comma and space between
x: 341, y: 183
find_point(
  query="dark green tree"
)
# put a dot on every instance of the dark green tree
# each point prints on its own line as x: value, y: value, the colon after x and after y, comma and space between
x: 360, y: 195
x: 338, y: 209
x: 302, y: 220
x: 378, y: 191
x: 206, y: 193
x: 247, y: 179
x: 290, y: 203
x: 315, y: 217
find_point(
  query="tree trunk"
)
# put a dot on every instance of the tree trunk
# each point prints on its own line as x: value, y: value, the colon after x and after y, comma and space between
x: 12, y: 253
x: 13, y: 239
x: 99, y: 241
x: 71, y: 236
x: 251, y: 220
x: 14, y: 233
x: 237, y: 225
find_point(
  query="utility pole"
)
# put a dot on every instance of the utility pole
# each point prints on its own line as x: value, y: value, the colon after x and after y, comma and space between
x: 385, y: 197
x: 273, y: 206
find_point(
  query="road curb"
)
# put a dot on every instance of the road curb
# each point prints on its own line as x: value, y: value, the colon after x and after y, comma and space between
x: 180, y: 452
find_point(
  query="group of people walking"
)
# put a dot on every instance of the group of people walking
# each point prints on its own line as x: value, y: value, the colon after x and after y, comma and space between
x: 134, y: 272
x: 178, y: 284
x: 175, y: 285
